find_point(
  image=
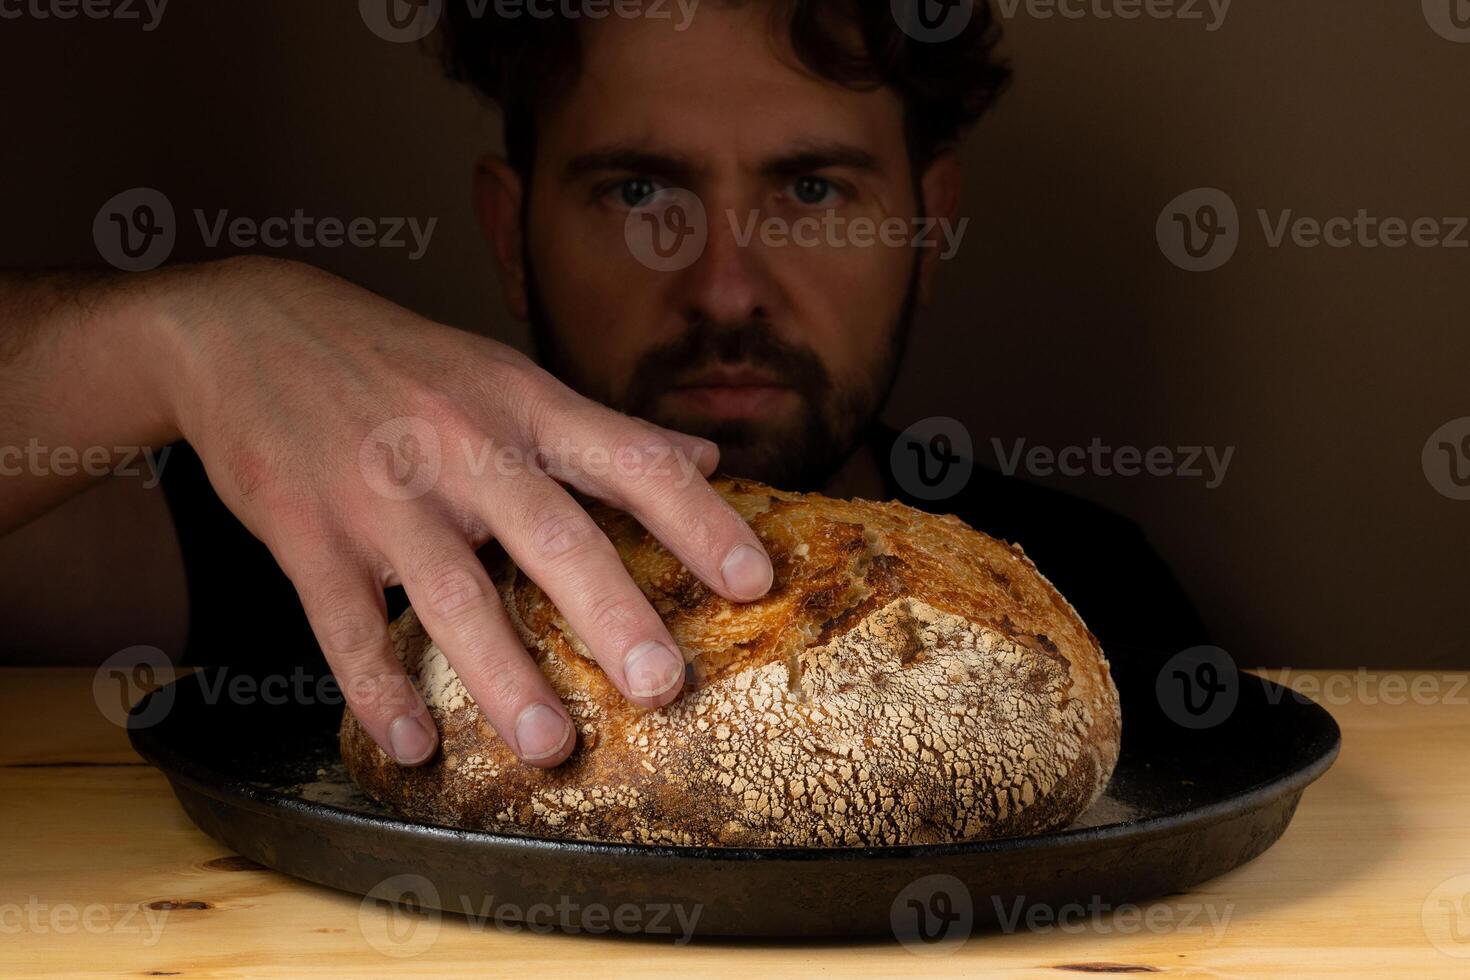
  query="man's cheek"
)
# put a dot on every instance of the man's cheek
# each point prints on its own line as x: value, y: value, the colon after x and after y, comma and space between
x: 843, y: 302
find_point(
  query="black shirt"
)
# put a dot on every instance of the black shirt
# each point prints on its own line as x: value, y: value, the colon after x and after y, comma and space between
x: 243, y: 610
x: 1099, y: 561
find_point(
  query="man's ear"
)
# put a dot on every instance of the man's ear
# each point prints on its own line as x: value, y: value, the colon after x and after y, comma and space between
x: 498, y: 200
x: 941, y: 184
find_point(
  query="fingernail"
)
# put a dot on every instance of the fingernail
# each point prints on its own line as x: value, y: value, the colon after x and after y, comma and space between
x: 653, y: 669
x: 412, y: 738
x: 747, y: 572
x: 541, y: 732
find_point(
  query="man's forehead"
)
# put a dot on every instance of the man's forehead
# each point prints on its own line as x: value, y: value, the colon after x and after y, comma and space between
x: 727, y: 83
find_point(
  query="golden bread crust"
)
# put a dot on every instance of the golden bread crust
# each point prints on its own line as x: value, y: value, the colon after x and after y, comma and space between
x: 906, y: 680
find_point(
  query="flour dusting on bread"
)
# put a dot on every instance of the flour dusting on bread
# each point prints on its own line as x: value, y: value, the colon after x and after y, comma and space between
x: 906, y: 680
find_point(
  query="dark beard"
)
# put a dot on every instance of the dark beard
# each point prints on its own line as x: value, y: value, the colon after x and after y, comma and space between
x: 799, y: 456
x: 796, y: 455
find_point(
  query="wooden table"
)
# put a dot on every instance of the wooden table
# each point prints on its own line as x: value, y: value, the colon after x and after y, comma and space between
x: 101, y: 873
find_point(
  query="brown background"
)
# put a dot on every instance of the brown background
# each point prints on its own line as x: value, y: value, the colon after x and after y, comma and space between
x: 1059, y: 321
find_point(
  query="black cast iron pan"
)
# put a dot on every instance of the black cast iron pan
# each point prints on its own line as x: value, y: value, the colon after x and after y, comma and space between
x: 1212, y: 768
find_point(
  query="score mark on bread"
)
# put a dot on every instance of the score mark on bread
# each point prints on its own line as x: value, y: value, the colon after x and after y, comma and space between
x: 906, y: 680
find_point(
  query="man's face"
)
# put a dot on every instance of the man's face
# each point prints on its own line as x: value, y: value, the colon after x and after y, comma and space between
x: 780, y: 352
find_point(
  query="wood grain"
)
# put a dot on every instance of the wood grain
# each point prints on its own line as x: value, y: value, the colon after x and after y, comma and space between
x: 101, y: 873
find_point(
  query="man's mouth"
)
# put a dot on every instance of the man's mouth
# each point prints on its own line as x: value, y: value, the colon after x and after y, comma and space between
x: 731, y: 393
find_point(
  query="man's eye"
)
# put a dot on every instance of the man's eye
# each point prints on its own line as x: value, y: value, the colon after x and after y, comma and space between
x: 634, y: 191
x: 813, y: 190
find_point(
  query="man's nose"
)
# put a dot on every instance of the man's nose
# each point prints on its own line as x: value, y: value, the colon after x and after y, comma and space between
x: 731, y: 281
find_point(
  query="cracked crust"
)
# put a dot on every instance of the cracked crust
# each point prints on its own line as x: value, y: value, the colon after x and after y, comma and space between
x: 907, y: 680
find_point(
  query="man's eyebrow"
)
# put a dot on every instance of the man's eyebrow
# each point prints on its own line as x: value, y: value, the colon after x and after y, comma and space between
x: 803, y: 158
x: 630, y: 159
x: 808, y: 157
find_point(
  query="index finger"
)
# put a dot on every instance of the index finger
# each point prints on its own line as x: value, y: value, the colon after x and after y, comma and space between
x: 659, y: 483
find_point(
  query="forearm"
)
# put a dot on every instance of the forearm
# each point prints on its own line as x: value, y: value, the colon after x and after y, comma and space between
x: 85, y: 369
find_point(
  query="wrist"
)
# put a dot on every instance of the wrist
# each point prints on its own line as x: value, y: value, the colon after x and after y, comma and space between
x: 175, y: 318
x: 154, y: 320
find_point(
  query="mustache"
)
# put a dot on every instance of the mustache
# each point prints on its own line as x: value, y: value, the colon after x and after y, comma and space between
x: 753, y: 343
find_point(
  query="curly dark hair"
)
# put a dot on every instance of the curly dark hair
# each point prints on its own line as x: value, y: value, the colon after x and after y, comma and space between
x: 520, y: 62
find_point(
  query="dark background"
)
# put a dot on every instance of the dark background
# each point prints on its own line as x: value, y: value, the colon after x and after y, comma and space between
x: 1059, y: 321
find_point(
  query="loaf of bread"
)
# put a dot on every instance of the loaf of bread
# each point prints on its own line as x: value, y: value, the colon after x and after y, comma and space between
x: 907, y: 680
